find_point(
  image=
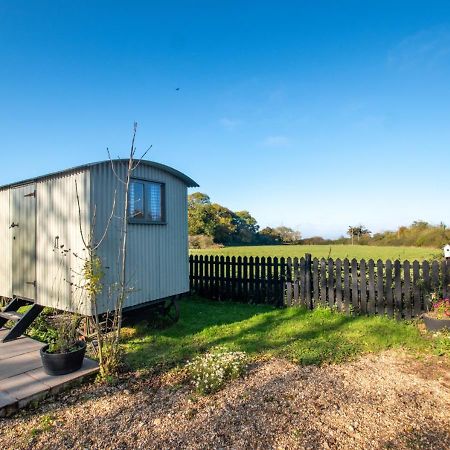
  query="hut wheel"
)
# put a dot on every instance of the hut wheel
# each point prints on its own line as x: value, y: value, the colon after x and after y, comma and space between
x: 171, y: 309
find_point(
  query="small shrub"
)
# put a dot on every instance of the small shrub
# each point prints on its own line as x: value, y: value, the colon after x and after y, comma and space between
x: 211, y: 371
x: 200, y: 241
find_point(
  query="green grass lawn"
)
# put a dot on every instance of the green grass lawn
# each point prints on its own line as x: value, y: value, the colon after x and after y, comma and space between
x: 305, y: 337
x: 324, y: 251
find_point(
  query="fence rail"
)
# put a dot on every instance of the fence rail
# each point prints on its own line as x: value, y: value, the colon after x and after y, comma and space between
x: 396, y: 288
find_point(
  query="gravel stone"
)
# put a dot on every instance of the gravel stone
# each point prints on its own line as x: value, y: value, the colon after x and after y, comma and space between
x: 388, y: 400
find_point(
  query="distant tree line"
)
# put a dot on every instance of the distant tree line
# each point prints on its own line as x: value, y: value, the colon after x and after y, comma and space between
x: 211, y: 224
x: 418, y: 234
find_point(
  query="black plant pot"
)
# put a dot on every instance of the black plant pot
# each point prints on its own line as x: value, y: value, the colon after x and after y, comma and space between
x: 434, y: 324
x: 63, y: 363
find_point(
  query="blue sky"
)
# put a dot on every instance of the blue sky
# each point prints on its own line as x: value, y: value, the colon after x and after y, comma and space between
x: 315, y: 115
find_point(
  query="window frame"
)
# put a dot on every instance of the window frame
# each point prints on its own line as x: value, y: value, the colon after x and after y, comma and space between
x: 145, y: 220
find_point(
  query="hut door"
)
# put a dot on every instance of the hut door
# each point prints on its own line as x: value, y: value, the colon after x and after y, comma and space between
x: 23, y: 235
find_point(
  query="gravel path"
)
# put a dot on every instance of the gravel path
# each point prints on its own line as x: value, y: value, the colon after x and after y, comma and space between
x: 388, y: 400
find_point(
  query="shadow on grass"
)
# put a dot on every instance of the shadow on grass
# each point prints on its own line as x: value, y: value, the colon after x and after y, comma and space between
x: 307, y: 337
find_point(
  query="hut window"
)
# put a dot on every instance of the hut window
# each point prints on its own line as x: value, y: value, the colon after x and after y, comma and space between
x: 146, y: 200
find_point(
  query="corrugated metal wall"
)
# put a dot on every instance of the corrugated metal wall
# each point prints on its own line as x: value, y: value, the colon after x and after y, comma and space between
x: 57, y: 224
x: 157, y: 264
x: 5, y: 240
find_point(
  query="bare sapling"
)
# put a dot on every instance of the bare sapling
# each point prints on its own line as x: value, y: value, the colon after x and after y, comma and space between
x: 109, y: 337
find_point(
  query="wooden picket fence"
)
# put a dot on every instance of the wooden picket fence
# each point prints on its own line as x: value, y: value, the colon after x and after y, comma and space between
x: 396, y: 288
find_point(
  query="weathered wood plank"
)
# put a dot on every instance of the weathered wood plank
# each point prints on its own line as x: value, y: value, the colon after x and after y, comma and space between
x: 308, y: 280
x: 330, y: 283
x: 263, y: 280
x: 363, y: 286
x: 201, y: 275
x: 380, y: 289
x: 245, y: 278
x: 276, y: 282
x: 222, y: 288
x: 407, y: 289
x: 233, y: 278
x: 323, y: 282
x: 296, y: 290
x: 371, y: 306
x: 257, y: 282
x: 417, y: 308
x: 269, y: 280
x: 388, y: 289
x: 228, y: 294
x: 339, y: 284
x: 435, y: 276
x: 346, y: 285
x: 426, y: 285
x: 399, y: 310
x: 444, y: 278
x: 354, y: 272
x: 282, y: 282
x: 302, y: 286
x: 316, y: 291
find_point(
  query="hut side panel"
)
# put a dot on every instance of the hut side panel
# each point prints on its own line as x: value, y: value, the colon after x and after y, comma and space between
x: 58, y: 238
x: 5, y: 239
x: 157, y: 259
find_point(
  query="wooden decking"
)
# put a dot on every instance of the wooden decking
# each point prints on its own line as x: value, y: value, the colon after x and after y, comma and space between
x: 22, y: 377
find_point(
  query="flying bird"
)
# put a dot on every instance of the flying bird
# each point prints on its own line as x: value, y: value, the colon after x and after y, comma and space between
x: 177, y: 89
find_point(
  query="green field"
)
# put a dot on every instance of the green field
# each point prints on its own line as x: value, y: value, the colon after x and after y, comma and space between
x: 324, y: 251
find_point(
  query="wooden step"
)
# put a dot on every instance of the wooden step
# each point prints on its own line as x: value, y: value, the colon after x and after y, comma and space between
x: 11, y: 315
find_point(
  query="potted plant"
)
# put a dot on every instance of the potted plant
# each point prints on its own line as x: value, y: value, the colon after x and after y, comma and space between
x: 65, y: 354
x: 438, y: 317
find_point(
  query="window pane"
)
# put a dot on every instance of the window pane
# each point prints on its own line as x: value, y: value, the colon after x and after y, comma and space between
x: 136, y: 200
x: 154, y: 210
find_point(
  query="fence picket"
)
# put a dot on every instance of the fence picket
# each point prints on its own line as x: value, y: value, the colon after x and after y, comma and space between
x: 363, y: 286
x: 371, y: 304
x: 398, y: 289
x: 388, y: 289
x: 346, y: 285
x: 269, y: 280
x: 339, y: 284
x: 263, y: 285
x: 444, y: 278
x: 245, y: 277
x: 302, y: 282
x: 212, y: 271
x: 308, y: 280
x: 380, y: 289
x: 354, y: 271
x: 323, y: 281
x: 233, y: 278
x: 296, y: 282
x: 435, y: 276
x: 289, y: 282
x: 201, y: 276
x: 315, y: 281
x: 330, y: 282
x: 416, y: 289
x: 407, y: 289
x: 251, y: 279
x: 426, y: 285
x: 222, y: 287
x: 228, y: 295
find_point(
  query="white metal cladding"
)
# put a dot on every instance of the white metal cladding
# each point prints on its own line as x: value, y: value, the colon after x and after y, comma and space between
x: 157, y: 255
x: 57, y: 224
x: 5, y: 245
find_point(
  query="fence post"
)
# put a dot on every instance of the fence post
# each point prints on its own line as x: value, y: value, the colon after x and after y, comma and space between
x: 308, y: 280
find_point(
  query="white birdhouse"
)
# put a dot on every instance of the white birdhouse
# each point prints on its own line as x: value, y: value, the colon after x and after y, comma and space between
x: 447, y: 251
